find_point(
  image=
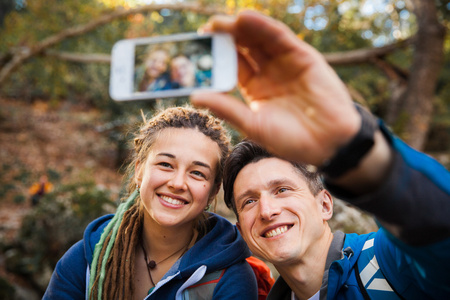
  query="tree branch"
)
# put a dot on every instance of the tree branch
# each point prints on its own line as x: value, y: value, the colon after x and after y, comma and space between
x: 19, y: 57
x: 368, y: 55
x: 364, y: 55
x: 394, y: 73
x: 79, y: 57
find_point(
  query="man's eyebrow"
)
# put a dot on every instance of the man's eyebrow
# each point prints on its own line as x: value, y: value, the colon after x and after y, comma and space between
x: 244, y: 195
x: 269, y: 184
x: 195, y: 162
x: 280, y: 181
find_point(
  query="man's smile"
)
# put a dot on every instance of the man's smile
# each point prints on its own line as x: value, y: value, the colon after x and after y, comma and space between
x: 276, y: 231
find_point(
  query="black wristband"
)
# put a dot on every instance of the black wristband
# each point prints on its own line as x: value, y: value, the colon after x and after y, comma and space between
x: 349, y: 155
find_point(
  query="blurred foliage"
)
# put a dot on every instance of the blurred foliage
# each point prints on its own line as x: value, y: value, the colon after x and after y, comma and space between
x: 48, y: 78
x: 7, y: 291
x: 439, y: 136
x: 329, y: 25
x: 55, y: 224
x: 56, y: 80
x: 6, y: 6
x: 14, y: 178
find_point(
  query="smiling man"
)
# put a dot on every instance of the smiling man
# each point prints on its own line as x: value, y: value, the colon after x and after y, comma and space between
x: 282, y: 210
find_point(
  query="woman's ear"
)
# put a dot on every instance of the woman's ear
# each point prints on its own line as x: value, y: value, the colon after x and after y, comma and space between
x: 215, y: 190
x: 138, y: 173
x: 326, y: 201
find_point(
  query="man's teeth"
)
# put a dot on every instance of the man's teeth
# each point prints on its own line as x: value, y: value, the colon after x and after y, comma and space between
x: 277, y: 231
x: 172, y: 201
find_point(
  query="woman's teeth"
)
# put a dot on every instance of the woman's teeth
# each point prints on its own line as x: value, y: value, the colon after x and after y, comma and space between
x: 172, y: 201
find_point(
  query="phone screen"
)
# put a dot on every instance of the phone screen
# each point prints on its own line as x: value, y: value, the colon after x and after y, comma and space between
x: 173, y: 65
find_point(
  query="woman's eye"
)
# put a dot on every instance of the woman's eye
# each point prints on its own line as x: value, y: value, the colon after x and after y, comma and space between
x: 164, y: 164
x: 199, y: 174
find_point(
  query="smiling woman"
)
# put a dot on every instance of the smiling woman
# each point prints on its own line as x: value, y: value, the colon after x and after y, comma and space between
x: 177, y: 182
x: 162, y: 243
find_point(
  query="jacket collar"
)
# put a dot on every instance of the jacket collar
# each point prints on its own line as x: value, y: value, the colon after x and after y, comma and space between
x: 281, y: 290
x: 334, y: 253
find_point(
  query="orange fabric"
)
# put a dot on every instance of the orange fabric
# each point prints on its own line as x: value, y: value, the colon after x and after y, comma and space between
x: 263, y: 276
x: 36, y: 186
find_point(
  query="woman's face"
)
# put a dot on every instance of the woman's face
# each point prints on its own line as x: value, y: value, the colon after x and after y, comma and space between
x: 177, y: 179
x: 156, y: 63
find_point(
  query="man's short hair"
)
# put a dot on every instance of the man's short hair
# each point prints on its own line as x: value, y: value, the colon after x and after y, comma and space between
x: 247, y: 152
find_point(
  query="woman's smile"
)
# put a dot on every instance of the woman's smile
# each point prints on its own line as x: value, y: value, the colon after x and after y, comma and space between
x: 172, y: 201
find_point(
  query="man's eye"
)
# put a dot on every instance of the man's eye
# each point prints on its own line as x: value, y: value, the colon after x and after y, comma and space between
x: 281, y: 190
x: 248, y: 201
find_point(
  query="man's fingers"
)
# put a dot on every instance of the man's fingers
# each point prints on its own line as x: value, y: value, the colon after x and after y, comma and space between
x: 261, y: 33
x: 246, y: 69
x: 254, y: 30
x: 226, y: 107
x: 220, y: 23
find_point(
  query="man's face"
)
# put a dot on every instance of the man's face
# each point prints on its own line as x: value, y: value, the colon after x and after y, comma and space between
x: 183, y: 71
x: 279, y: 217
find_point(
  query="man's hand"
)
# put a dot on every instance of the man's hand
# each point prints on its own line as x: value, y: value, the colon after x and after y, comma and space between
x: 297, y: 105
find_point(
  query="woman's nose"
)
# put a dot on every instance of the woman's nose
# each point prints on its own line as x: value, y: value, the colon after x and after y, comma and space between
x: 178, y: 181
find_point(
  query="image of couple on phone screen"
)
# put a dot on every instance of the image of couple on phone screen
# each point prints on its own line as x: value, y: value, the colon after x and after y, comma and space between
x: 173, y: 66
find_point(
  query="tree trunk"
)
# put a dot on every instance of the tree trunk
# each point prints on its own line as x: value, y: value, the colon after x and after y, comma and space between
x: 427, y: 62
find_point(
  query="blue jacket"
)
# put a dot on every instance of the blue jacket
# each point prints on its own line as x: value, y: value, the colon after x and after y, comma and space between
x: 414, y: 201
x: 221, y: 251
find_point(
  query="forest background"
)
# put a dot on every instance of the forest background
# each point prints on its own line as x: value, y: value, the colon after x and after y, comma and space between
x: 57, y: 119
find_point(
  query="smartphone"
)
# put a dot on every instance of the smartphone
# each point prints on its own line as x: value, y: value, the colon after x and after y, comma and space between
x: 172, y: 66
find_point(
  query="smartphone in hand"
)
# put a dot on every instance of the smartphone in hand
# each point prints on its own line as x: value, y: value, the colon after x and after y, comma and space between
x: 172, y: 66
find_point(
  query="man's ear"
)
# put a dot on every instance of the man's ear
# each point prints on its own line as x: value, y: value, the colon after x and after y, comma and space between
x: 238, y: 227
x: 326, y: 201
x: 138, y: 173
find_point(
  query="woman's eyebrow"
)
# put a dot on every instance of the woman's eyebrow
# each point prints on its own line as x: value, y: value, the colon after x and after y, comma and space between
x: 202, y: 164
x: 195, y: 162
x: 166, y: 154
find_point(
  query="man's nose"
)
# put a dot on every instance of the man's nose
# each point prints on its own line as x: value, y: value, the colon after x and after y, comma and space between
x: 268, y: 207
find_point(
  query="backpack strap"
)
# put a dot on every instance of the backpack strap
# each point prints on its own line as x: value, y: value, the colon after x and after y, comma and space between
x: 360, y: 284
x: 371, y: 280
x: 204, y: 289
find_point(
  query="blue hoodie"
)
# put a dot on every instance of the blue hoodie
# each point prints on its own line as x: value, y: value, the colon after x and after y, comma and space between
x: 221, y: 251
